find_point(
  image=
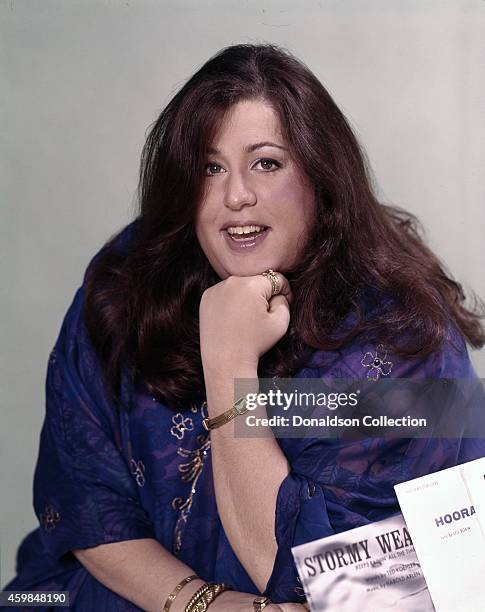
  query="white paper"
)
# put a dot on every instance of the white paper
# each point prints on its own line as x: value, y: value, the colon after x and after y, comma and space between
x: 445, y: 516
x: 368, y: 569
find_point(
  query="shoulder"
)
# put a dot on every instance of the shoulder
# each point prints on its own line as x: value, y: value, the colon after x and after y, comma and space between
x: 373, y: 358
x: 118, y: 244
x: 449, y: 360
x: 74, y: 355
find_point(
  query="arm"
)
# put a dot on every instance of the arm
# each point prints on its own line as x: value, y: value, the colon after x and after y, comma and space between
x: 83, y: 481
x: 141, y: 571
x: 240, y: 321
x: 246, y: 503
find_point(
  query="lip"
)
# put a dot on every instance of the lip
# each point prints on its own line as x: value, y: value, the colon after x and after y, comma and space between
x: 249, y: 244
x: 240, y: 223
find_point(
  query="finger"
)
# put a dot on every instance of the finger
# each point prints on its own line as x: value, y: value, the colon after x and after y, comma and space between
x: 278, y: 305
x: 284, y: 287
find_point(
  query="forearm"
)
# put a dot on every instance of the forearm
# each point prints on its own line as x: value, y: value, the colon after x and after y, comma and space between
x: 141, y: 571
x: 247, y: 475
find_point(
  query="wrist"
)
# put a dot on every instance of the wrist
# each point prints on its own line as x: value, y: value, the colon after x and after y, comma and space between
x: 224, y: 386
x: 206, y: 595
x: 185, y: 595
x: 228, y: 371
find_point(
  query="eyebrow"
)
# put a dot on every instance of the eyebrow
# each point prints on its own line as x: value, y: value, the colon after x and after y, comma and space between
x: 251, y: 148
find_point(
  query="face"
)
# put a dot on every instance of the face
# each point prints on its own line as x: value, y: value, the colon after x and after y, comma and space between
x: 257, y: 207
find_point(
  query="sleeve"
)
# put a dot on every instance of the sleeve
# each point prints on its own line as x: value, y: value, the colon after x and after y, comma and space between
x: 335, y: 485
x: 84, y: 494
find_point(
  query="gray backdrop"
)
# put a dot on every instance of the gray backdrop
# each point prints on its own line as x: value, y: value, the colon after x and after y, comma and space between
x: 81, y: 82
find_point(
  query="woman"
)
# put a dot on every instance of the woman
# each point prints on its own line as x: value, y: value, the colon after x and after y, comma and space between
x: 260, y: 249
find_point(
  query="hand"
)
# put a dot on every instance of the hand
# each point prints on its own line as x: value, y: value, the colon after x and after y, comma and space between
x: 235, y: 601
x: 240, y: 321
x: 243, y: 602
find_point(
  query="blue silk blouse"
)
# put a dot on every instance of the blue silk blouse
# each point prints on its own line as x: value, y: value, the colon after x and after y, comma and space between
x: 105, y: 475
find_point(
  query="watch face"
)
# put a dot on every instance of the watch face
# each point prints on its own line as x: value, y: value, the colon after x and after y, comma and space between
x: 240, y: 406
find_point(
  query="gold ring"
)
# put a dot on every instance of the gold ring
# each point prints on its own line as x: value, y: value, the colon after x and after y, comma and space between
x: 260, y: 603
x: 274, y: 280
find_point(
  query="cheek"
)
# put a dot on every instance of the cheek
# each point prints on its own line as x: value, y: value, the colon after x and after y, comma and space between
x: 204, y: 238
x: 203, y: 221
x: 207, y: 233
x: 295, y: 204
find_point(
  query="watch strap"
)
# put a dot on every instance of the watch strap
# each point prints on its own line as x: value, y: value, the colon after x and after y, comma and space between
x: 239, y: 407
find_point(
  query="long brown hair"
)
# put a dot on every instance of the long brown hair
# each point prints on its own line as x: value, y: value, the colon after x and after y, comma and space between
x: 142, y: 302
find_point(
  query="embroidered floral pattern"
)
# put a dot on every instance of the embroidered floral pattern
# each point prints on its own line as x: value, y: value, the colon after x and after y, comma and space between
x: 181, y: 424
x: 138, y: 471
x: 190, y: 472
x: 377, y: 364
x: 49, y: 518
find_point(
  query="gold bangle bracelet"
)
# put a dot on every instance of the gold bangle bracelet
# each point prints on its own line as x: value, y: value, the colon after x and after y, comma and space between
x: 202, y: 598
x: 196, y: 596
x: 176, y: 591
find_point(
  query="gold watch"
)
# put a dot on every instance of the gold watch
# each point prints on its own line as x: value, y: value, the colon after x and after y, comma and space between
x: 239, y: 407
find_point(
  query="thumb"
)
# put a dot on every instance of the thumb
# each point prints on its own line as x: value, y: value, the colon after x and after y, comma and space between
x: 279, y: 307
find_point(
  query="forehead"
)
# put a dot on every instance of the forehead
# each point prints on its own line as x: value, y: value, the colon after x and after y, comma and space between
x: 248, y: 121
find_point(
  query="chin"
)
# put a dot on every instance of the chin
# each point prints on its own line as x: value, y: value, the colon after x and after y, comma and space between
x: 252, y: 269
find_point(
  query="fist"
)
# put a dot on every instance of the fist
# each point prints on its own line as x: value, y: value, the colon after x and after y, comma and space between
x: 240, y: 320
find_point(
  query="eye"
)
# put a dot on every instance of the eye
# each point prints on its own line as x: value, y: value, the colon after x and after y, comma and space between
x: 212, y: 169
x: 268, y: 165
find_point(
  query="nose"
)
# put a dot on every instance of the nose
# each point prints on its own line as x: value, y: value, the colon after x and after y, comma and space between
x: 238, y: 192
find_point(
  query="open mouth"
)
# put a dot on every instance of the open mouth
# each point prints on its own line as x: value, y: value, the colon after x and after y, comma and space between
x: 245, y: 238
x: 245, y: 233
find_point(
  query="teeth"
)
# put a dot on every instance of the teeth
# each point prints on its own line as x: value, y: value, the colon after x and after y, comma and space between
x: 246, y: 229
